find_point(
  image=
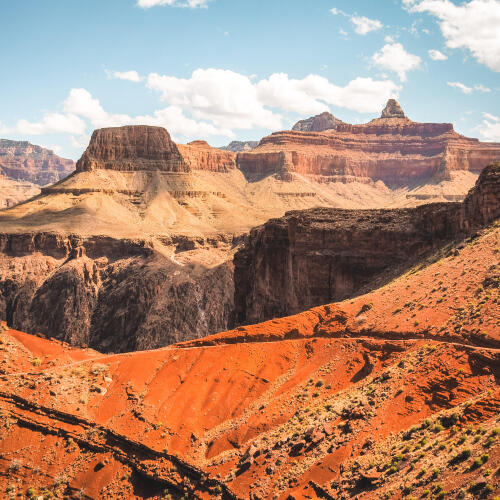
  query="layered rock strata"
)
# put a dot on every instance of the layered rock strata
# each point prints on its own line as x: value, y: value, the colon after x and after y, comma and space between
x: 22, y: 161
x: 392, y: 149
x: 132, y: 148
x: 318, y: 256
x: 199, y: 155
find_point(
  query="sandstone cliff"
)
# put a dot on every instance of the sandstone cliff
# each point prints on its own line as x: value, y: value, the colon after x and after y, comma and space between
x: 131, y: 148
x: 318, y: 256
x: 392, y: 149
x: 199, y: 155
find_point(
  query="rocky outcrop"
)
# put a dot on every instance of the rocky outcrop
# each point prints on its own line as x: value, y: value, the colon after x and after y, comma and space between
x: 22, y: 161
x: 318, y: 123
x: 199, y: 155
x: 392, y: 149
x: 132, y: 148
x: 238, y: 146
x: 319, y: 256
x: 114, y: 295
x: 393, y: 110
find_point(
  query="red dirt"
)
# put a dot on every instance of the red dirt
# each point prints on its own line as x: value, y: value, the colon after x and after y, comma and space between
x: 347, y: 400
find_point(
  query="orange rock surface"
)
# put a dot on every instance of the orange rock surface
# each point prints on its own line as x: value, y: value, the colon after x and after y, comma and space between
x: 199, y: 155
x: 361, y: 398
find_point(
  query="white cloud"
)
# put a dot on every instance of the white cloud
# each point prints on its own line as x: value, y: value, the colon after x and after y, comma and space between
x: 226, y: 98
x: 131, y: 76
x: 481, y: 88
x: 52, y: 123
x: 231, y: 100
x: 215, y: 102
x: 436, y: 55
x: 472, y: 25
x: 313, y: 93
x: 363, y: 25
x: 191, y: 4
x: 490, y: 128
x: 468, y: 90
x: 394, y: 57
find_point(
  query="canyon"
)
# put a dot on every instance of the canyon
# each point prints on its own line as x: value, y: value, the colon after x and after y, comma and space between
x: 25, y: 167
x: 138, y: 242
x: 391, y: 394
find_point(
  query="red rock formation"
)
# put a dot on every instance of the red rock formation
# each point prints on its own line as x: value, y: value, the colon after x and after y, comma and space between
x: 22, y: 161
x: 318, y: 123
x: 132, y: 148
x: 199, y: 155
x: 391, y: 148
x: 313, y: 257
x: 392, y: 392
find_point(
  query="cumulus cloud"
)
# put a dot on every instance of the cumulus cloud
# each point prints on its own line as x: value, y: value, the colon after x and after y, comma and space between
x: 362, y: 25
x: 226, y: 98
x: 52, y: 123
x: 394, y: 57
x: 232, y: 100
x: 131, y: 76
x: 191, y: 4
x: 471, y: 25
x: 215, y: 102
x: 436, y: 55
x: 468, y: 90
x: 314, y: 93
x: 490, y: 128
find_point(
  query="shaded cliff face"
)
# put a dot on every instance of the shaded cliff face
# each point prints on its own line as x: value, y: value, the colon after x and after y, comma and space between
x: 22, y: 161
x: 114, y: 295
x: 392, y: 149
x: 323, y: 255
x: 318, y: 123
x: 328, y: 403
x: 132, y: 148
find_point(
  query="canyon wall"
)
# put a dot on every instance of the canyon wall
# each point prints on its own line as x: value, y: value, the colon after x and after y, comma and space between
x: 318, y: 256
x: 199, y: 155
x: 22, y: 161
x: 392, y: 149
x: 111, y: 294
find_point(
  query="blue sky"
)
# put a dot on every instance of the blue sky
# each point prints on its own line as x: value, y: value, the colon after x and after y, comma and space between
x: 238, y: 69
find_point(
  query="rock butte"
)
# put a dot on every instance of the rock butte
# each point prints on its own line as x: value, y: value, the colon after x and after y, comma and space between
x: 393, y: 391
x: 142, y: 230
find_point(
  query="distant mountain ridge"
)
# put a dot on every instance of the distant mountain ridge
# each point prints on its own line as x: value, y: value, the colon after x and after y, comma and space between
x: 238, y: 146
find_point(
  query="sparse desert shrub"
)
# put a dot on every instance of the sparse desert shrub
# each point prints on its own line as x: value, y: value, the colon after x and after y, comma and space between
x: 36, y: 361
x: 15, y: 465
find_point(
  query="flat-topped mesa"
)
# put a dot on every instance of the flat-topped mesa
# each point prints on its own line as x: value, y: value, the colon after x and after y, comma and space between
x: 392, y: 149
x: 132, y: 148
x: 199, y: 155
x: 318, y: 123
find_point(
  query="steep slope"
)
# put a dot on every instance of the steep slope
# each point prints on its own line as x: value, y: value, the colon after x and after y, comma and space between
x: 330, y: 403
x: 313, y: 257
x: 24, y: 166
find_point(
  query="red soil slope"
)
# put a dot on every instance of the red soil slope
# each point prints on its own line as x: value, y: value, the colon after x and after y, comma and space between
x: 394, y: 394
